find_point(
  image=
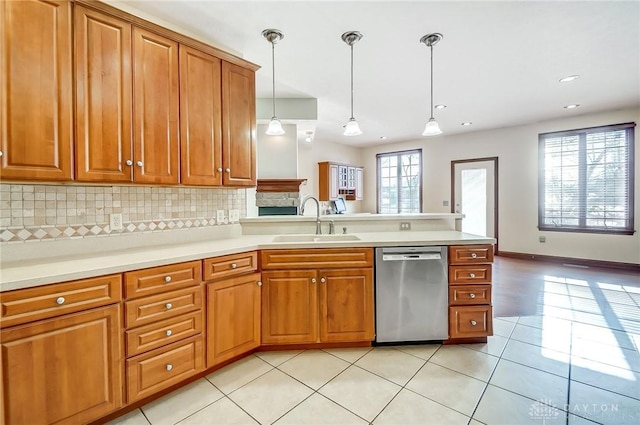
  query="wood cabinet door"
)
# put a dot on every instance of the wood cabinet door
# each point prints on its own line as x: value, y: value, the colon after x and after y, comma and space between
x: 66, y: 370
x: 103, y: 97
x: 155, y: 108
x: 36, y: 90
x: 359, y: 183
x: 200, y: 118
x: 289, y: 307
x: 346, y: 305
x: 233, y: 317
x: 239, y: 126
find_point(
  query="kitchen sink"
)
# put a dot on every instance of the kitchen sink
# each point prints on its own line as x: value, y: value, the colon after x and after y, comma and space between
x: 315, y: 238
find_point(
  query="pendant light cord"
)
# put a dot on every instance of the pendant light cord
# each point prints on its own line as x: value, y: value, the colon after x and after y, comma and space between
x: 431, y: 48
x: 273, y: 73
x: 352, y: 82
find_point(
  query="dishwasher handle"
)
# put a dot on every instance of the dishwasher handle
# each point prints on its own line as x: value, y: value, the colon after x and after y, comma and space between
x: 418, y: 256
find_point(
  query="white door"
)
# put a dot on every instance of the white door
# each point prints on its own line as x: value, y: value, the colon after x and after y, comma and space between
x: 474, y: 195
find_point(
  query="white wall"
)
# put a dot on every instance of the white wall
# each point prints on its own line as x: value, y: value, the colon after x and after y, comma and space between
x: 517, y: 152
x: 309, y: 154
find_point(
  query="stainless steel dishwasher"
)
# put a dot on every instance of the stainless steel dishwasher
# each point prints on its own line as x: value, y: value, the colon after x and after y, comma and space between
x: 411, y: 294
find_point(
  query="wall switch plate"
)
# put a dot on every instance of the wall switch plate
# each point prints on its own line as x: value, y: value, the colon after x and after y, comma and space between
x: 542, y: 239
x: 234, y: 216
x: 405, y: 225
x: 115, y: 221
x: 445, y: 203
x: 220, y: 216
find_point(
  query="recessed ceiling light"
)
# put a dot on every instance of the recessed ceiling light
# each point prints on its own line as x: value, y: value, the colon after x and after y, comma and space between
x: 383, y: 137
x: 569, y: 78
x: 466, y: 123
x: 440, y: 106
x: 572, y: 106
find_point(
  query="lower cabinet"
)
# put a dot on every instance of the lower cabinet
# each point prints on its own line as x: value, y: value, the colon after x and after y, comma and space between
x: 64, y: 370
x: 317, y: 305
x: 233, y: 317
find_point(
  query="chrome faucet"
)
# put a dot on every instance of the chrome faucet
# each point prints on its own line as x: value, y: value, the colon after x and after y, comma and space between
x: 304, y: 201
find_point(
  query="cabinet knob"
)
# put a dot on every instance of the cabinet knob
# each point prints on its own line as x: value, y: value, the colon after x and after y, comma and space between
x: 139, y: 163
x: 60, y: 300
x: 474, y: 255
x: 472, y: 295
x: 228, y: 170
x: 234, y: 265
x: 169, y: 366
x: 129, y: 162
x: 473, y: 323
x: 1, y: 153
x: 259, y: 283
x: 169, y: 306
x: 219, y: 169
x: 323, y: 280
x: 313, y: 280
x: 169, y: 332
x: 167, y: 279
x: 472, y: 275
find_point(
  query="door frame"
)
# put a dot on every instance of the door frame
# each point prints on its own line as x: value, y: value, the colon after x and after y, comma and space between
x: 493, y: 159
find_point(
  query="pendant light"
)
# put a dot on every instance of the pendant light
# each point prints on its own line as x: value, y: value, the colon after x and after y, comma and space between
x: 352, y: 128
x: 273, y: 36
x: 432, y: 128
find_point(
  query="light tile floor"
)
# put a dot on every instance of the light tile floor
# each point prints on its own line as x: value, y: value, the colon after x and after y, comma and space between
x: 576, y: 363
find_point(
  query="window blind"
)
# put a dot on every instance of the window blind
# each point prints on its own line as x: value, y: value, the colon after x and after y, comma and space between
x: 586, y: 180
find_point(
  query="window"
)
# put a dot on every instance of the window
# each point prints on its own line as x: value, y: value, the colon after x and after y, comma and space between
x: 400, y: 182
x: 586, y: 180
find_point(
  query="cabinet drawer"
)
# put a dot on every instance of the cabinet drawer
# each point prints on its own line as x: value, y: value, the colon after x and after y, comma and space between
x: 470, y: 321
x: 465, y: 254
x: 162, y: 279
x: 480, y: 273
x: 150, y: 372
x: 230, y: 265
x: 469, y: 294
x: 28, y: 305
x: 163, y: 306
x: 316, y: 258
x: 149, y: 337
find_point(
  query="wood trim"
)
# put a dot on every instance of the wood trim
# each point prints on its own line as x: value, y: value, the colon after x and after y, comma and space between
x: 571, y: 261
x: 180, y: 38
x: 453, y: 341
x: 279, y: 185
x: 495, y: 190
x: 314, y: 346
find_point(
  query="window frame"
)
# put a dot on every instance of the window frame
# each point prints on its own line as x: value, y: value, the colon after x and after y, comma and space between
x: 398, y: 154
x: 583, y: 228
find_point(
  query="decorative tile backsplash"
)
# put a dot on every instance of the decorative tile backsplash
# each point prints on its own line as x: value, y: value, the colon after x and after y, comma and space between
x: 37, y: 212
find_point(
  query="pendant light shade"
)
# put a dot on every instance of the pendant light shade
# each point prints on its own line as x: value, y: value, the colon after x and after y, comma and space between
x: 432, y: 128
x: 352, y: 128
x: 273, y: 36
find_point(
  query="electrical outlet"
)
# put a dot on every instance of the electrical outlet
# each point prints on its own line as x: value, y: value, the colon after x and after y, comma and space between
x: 115, y: 221
x: 445, y: 203
x: 220, y: 216
x: 405, y: 225
x: 234, y: 216
x: 542, y: 239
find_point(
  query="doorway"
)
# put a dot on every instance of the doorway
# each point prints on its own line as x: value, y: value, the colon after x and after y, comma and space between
x: 474, y: 193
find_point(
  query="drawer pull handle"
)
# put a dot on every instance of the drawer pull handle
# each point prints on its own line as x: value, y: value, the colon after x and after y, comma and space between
x: 474, y: 255
x: 169, y: 306
x: 473, y: 323
x: 472, y: 295
x: 234, y: 265
x: 472, y: 275
x: 259, y: 283
x: 167, y: 279
x: 169, y: 332
x: 169, y: 367
x: 60, y: 300
x: 313, y: 280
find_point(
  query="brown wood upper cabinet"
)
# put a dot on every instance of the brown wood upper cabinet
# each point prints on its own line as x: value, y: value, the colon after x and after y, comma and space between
x: 36, y: 90
x: 103, y: 97
x: 200, y: 118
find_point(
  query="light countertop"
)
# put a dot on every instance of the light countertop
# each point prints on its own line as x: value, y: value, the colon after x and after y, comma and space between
x: 29, y: 273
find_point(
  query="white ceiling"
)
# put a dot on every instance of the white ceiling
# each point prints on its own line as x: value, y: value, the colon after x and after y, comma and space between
x: 498, y: 64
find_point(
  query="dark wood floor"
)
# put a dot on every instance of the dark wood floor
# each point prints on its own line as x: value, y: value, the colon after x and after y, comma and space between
x: 518, y: 285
